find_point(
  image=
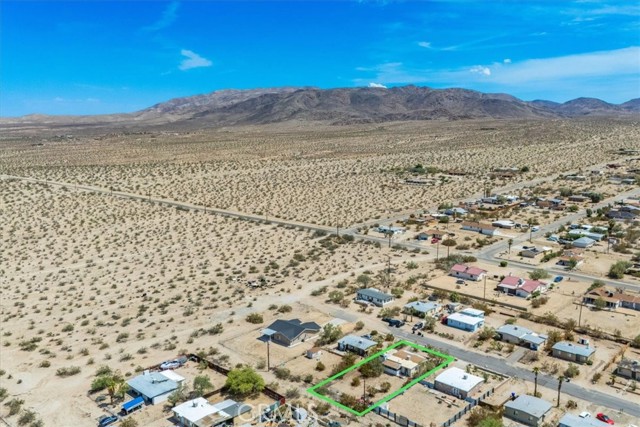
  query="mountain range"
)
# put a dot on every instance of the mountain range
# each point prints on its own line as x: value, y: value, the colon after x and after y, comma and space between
x: 335, y: 106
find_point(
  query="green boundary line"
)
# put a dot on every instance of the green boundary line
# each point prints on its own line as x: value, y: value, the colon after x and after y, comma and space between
x: 447, y: 360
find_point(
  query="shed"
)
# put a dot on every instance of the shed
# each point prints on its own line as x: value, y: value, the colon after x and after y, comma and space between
x: 457, y: 382
x: 314, y: 353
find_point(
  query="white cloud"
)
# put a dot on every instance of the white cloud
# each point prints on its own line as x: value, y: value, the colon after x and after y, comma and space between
x: 193, y: 60
x: 372, y: 84
x: 169, y: 15
x: 424, y: 44
x: 479, y: 69
x: 507, y: 61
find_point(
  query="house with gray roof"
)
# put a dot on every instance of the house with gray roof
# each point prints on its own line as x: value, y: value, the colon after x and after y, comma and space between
x: 457, y: 382
x: 374, y: 296
x: 527, y: 410
x: 570, y: 420
x: 356, y: 344
x: 200, y: 412
x: 422, y: 308
x: 290, y: 332
x: 154, y: 387
x: 583, y: 242
x: 629, y: 369
x: 520, y: 335
x: 572, y: 352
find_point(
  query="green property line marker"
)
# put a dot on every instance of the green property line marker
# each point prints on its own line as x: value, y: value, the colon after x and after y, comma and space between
x: 447, y: 360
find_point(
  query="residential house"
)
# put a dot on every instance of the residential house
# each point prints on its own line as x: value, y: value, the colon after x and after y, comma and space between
x: 154, y: 387
x: 457, y: 382
x: 520, y: 335
x: 586, y: 233
x: 570, y: 255
x: 374, y: 296
x: 522, y: 288
x: 572, y: 352
x: 422, y: 308
x: 629, y: 369
x: 356, y: 344
x: 508, y: 224
x: 528, y: 410
x: 422, y: 236
x: 467, y: 320
x: 199, y: 412
x: 402, y: 363
x: 583, y: 242
x: 533, y: 251
x: 486, y: 229
x: 291, y: 332
x: 621, y: 215
x: 579, y: 199
x: 456, y: 212
x: 437, y: 234
x: 391, y: 230
x: 612, y: 299
x: 466, y: 272
x: 570, y: 420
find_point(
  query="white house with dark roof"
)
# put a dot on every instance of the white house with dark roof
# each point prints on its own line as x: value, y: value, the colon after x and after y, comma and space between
x: 290, y: 332
x: 374, y: 296
x: 466, y: 272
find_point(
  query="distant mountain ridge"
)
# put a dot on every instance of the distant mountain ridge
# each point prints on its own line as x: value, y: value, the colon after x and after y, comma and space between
x: 339, y: 106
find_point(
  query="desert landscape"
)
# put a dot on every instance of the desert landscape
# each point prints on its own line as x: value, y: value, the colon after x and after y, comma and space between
x: 91, y: 277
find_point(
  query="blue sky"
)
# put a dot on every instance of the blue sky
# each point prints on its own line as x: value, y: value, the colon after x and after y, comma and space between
x: 90, y: 57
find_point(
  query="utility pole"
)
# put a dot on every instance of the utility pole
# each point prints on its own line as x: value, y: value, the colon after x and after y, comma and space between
x: 560, y: 380
x: 388, y: 270
x: 268, y: 355
x: 389, y: 233
x: 437, y: 249
x: 484, y: 295
x: 580, y: 315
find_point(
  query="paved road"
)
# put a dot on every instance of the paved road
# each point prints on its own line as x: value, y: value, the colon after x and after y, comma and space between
x: 502, y: 366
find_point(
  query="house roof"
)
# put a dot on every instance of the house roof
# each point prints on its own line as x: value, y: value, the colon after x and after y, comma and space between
x: 530, y: 286
x: 466, y: 319
x: 391, y: 364
x: 461, y: 268
x: 374, y: 293
x: 422, y: 306
x: 458, y: 378
x: 357, y: 342
x: 534, y: 338
x: 510, y: 281
x: 291, y: 328
x: 478, y: 225
x: 152, y: 384
x: 172, y: 376
x: 571, y: 420
x: 612, y: 296
x: 475, y: 271
x: 529, y: 405
x: 474, y: 312
x: 199, y: 409
x: 514, y: 330
x: 572, y: 348
x: 634, y: 365
x: 584, y: 241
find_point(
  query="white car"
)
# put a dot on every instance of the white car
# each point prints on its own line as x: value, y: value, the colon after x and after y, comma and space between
x: 535, y: 228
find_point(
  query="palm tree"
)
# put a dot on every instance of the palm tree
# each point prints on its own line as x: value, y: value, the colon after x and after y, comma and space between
x: 510, y: 242
x: 536, y: 370
x: 448, y: 243
x: 116, y: 386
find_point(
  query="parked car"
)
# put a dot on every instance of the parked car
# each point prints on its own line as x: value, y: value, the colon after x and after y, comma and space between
x: 459, y: 282
x: 106, y: 420
x: 173, y: 364
x: 558, y: 279
x: 434, y: 240
x: 535, y: 228
x: 418, y: 325
x: 395, y: 322
x: 602, y: 417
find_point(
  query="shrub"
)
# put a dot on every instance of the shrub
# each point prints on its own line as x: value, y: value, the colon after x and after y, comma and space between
x: 68, y: 371
x: 254, y: 318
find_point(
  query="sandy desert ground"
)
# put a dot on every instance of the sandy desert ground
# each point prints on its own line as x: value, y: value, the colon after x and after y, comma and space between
x: 88, y: 279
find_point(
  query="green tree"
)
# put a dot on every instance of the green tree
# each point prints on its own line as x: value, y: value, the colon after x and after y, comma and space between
x: 201, y: 384
x: 178, y: 396
x: 364, y: 280
x: 243, y: 382
x: 330, y: 334
x: 129, y: 422
x: 538, y: 274
x: 449, y: 243
x: 617, y: 270
x: 336, y: 296
x: 372, y: 369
